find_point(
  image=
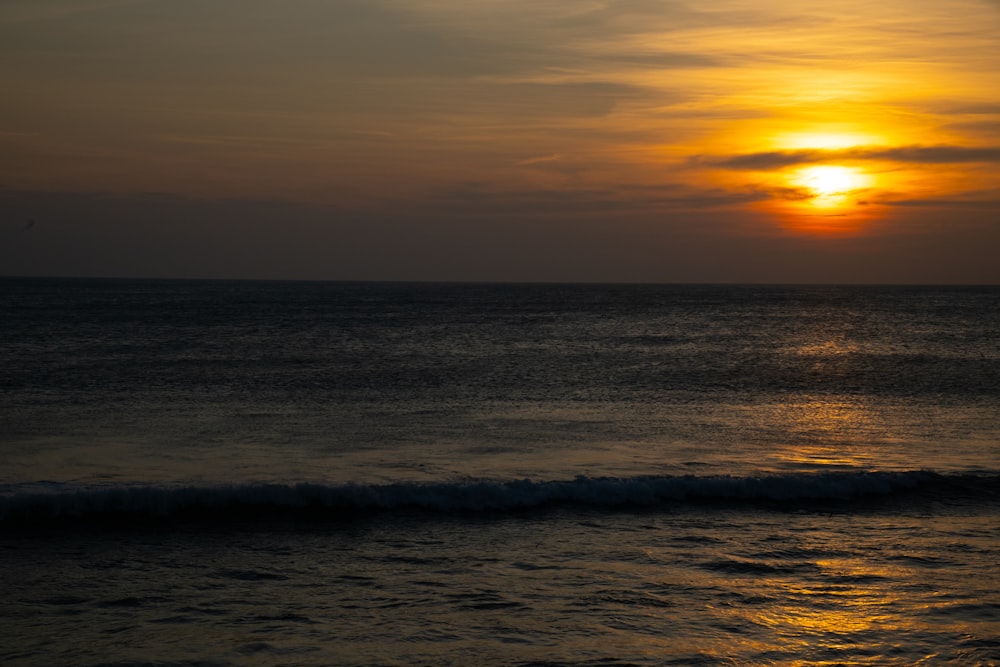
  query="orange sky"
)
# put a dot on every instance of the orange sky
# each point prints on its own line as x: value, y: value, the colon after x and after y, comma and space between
x: 634, y: 140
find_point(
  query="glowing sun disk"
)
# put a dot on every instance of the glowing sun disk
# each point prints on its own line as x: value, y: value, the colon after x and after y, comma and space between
x: 829, y: 181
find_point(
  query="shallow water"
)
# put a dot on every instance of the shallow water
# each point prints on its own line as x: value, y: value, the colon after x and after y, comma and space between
x: 724, y: 586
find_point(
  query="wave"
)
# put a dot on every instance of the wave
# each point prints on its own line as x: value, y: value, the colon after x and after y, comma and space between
x: 474, y: 496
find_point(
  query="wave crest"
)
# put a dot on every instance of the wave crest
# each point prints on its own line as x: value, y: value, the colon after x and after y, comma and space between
x: 482, y: 496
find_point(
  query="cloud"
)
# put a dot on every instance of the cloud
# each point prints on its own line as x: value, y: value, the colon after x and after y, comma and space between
x: 988, y: 200
x: 539, y: 159
x: 930, y: 154
x: 908, y: 154
x: 25, y: 11
x: 668, y: 59
x: 475, y: 199
x: 974, y: 109
x: 561, y: 99
x: 982, y: 128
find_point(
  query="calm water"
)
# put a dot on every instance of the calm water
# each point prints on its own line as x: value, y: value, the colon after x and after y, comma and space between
x: 203, y: 473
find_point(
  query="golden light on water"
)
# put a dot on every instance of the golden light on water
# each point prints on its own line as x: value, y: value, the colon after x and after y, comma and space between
x: 849, y: 602
x: 821, y: 431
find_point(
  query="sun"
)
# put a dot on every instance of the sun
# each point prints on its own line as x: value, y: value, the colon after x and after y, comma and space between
x: 827, y: 199
x: 829, y: 185
x: 828, y: 181
x: 820, y: 181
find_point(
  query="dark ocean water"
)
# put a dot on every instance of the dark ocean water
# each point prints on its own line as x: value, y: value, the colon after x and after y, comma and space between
x: 266, y: 473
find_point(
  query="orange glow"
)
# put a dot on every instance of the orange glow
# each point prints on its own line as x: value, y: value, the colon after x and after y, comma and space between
x: 817, y: 436
x: 815, y: 186
x: 831, y: 186
x: 821, y: 199
x: 828, y: 201
x: 829, y: 157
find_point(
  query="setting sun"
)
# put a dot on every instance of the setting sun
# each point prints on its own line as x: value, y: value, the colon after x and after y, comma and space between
x: 826, y: 200
x: 829, y: 185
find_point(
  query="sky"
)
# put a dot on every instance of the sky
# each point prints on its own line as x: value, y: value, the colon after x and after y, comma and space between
x: 766, y: 141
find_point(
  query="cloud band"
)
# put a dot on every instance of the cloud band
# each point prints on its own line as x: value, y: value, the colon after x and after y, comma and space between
x: 909, y: 154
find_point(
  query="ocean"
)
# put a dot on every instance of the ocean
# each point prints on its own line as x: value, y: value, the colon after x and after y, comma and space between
x: 333, y: 473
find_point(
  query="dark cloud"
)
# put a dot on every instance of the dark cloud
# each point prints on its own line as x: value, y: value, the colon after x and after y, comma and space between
x: 983, y: 128
x: 978, y: 200
x: 909, y: 154
x: 931, y: 154
x: 975, y: 109
x: 765, y: 160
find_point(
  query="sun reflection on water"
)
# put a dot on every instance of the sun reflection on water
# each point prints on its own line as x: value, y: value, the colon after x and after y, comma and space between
x: 812, y: 588
x: 826, y: 434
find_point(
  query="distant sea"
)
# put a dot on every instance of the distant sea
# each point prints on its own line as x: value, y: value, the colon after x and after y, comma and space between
x: 296, y: 473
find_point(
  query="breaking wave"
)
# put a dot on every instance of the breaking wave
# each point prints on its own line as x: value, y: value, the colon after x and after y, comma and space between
x: 474, y: 496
